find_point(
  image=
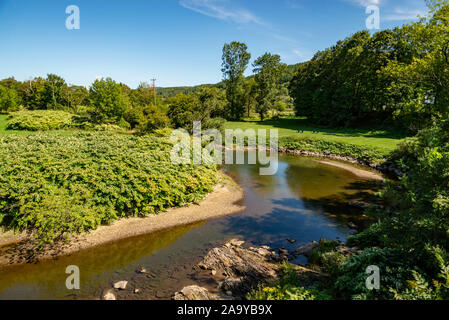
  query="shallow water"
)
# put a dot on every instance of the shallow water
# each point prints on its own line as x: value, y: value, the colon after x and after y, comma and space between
x: 305, y: 201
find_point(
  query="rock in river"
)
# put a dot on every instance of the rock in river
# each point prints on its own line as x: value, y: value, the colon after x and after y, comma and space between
x: 352, y: 225
x: 238, y: 271
x: 121, y: 285
x: 108, y: 295
x: 307, y: 249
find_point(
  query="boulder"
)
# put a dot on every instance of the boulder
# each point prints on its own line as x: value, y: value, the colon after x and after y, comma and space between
x: 352, y: 225
x: 239, y: 270
x: 359, y: 204
x: 283, y: 252
x: 250, y: 266
x: 307, y: 249
x: 192, y: 293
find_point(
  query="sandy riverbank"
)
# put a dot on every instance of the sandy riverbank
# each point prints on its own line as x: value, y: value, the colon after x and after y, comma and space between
x: 224, y: 200
x: 361, y: 173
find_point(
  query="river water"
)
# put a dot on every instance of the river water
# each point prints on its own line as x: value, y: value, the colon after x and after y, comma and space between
x: 305, y: 201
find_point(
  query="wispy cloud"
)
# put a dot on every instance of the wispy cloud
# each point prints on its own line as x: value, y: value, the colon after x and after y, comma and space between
x: 399, y: 14
x: 302, y: 54
x: 221, y: 9
x: 365, y: 3
x: 408, y: 10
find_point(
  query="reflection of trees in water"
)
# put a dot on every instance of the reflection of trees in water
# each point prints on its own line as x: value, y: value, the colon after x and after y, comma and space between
x: 47, y: 278
x: 307, y: 186
x: 317, y: 181
x: 249, y: 176
x: 281, y: 223
x: 337, y: 205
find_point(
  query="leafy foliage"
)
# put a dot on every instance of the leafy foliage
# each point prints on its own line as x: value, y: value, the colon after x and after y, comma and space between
x: 398, y: 76
x: 205, y: 106
x: 40, y: 120
x: 57, y: 185
x: 108, y: 101
x: 290, y: 287
x: 411, y: 232
x: 235, y: 61
x: 268, y: 69
x: 8, y: 99
x: 367, y: 154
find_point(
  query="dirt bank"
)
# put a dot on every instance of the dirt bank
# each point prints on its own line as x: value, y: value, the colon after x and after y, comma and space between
x: 356, y: 171
x: 224, y: 200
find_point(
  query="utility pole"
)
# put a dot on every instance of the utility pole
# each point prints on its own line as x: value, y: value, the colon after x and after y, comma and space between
x: 153, y: 86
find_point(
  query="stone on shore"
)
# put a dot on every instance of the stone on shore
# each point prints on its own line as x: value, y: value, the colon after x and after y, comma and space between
x: 237, y: 270
x: 192, y: 293
x: 108, y: 295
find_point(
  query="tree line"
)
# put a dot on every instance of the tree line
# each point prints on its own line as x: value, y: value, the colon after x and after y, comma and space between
x: 107, y: 101
x: 396, y: 77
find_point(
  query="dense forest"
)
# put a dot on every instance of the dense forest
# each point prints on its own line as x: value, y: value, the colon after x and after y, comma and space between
x: 398, y: 77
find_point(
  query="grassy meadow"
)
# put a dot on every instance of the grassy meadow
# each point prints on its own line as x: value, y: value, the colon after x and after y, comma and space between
x: 382, y: 139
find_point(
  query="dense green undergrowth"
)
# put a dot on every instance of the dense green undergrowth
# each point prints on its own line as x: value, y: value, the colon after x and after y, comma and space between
x: 40, y: 120
x: 289, y: 287
x: 410, y: 240
x: 362, y: 153
x: 57, y: 185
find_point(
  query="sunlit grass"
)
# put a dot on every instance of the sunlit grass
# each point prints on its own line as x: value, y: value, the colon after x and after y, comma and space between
x: 385, y: 139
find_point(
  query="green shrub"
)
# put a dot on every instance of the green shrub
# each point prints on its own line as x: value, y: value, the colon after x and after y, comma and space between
x: 410, y: 237
x: 40, y: 120
x: 329, y: 262
x: 9, y: 100
x: 394, y: 273
x: 108, y: 102
x: 288, y: 288
x: 155, y: 119
x: 135, y: 116
x: 327, y: 257
x: 367, y: 154
x: 108, y: 128
x: 57, y: 185
x: 421, y: 288
x: 124, y: 124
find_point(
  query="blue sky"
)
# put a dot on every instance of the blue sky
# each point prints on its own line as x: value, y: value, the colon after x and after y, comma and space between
x: 179, y: 42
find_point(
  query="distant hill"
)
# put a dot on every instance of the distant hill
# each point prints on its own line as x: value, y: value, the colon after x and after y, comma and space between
x: 172, y: 91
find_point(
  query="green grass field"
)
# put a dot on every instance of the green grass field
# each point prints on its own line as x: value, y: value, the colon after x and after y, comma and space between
x: 383, y: 139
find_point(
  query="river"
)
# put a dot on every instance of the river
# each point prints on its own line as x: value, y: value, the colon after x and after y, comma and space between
x: 305, y: 201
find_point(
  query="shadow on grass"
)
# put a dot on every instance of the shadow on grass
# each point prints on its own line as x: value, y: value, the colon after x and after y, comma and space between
x: 302, y: 124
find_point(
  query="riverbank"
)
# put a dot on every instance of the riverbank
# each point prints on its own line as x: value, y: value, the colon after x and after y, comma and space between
x: 237, y: 269
x: 224, y: 200
x: 361, y: 173
x: 368, y: 170
x: 381, y: 166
